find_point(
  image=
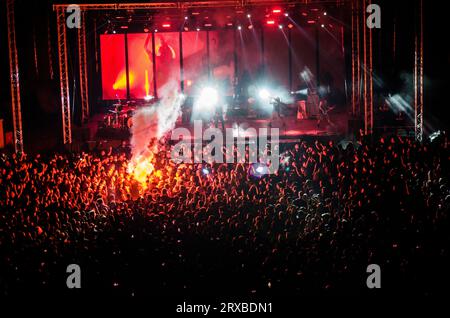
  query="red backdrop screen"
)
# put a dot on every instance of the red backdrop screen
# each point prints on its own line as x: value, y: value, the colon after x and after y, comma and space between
x: 140, y: 65
x: 167, y: 58
x: 250, y: 49
x: 195, y: 60
x: 221, y: 58
x: 112, y: 51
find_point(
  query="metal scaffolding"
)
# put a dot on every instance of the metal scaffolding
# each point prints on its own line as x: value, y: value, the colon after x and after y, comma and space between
x: 82, y: 61
x: 362, y: 65
x: 195, y: 4
x: 14, y: 73
x: 418, y: 75
x: 63, y: 74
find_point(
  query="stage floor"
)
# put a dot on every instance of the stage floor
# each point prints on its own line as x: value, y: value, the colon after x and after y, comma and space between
x: 290, y: 128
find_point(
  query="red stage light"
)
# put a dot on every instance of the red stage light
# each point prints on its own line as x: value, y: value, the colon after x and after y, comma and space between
x: 208, y: 25
x: 290, y: 25
x: 124, y: 27
x: 276, y: 11
x: 270, y: 22
x: 311, y: 21
x: 166, y: 25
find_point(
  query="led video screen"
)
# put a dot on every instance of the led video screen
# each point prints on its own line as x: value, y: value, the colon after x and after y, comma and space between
x: 233, y: 59
x: 221, y: 59
x: 195, y: 60
x: 114, y: 75
x: 167, y: 58
x: 140, y: 65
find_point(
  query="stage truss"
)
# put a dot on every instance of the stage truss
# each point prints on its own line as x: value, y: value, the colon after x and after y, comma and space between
x: 14, y: 73
x: 418, y: 76
x: 63, y: 74
x: 84, y: 89
x: 362, y: 65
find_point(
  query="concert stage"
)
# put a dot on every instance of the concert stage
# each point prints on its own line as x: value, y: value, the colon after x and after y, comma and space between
x: 290, y: 128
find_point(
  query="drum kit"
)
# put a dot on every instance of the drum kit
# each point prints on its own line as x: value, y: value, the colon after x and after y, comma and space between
x: 120, y: 116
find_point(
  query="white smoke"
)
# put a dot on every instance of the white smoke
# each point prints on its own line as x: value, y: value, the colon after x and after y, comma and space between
x: 153, y: 122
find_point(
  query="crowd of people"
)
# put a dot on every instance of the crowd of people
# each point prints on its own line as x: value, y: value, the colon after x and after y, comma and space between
x: 315, y: 225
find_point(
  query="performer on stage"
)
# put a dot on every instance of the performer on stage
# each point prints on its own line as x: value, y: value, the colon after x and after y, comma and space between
x: 323, y: 113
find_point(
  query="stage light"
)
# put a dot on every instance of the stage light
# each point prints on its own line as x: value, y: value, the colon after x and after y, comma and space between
x: 156, y: 30
x: 250, y: 26
x: 229, y: 24
x: 186, y: 29
x: 148, y: 98
x: 280, y: 26
x: 186, y: 18
x: 146, y: 30
x: 198, y: 29
x: 290, y: 25
x: 166, y: 25
x: 259, y: 170
x: 286, y: 14
x: 276, y: 10
x: 322, y: 25
x: 239, y: 28
x: 324, y: 13
x: 270, y: 22
x: 208, y: 97
x: 264, y: 93
x: 249, y: 15
x: 306, y: 75
x: 114, y: 31
x: 311, y: 21
x: 208, y: 25
x: 435, y: 135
